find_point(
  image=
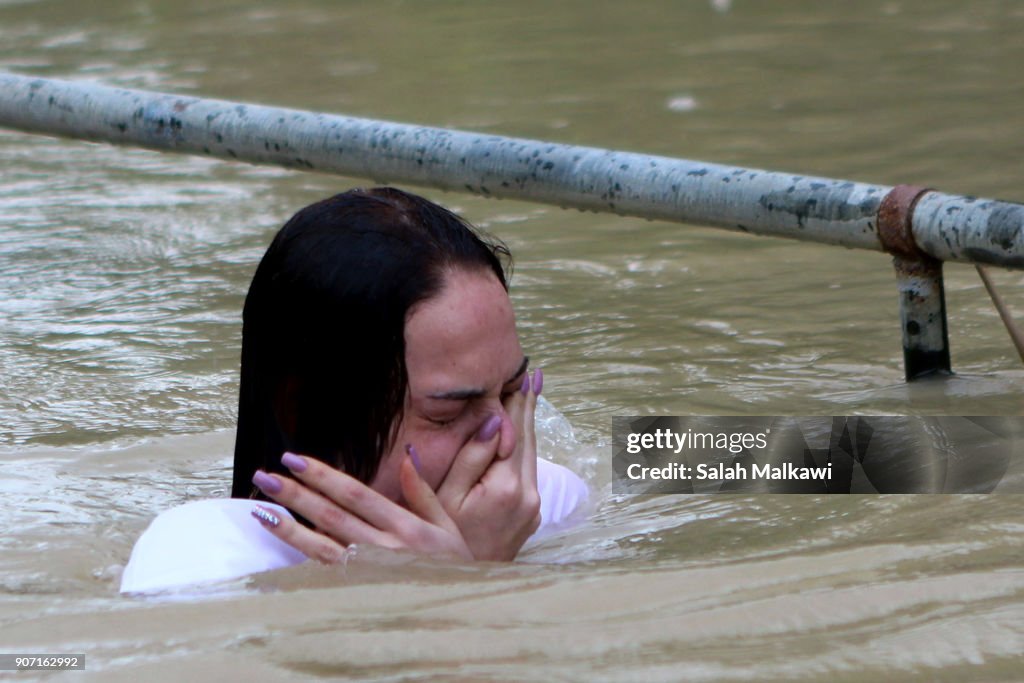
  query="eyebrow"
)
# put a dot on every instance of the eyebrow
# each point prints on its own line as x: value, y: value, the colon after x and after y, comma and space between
x: 466, y: 394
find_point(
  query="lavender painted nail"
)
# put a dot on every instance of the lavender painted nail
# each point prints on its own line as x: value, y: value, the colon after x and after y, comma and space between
x: 265, y: 517
x: 489, y: 428
x: 266, y: 483
x: 293, y: 462
x: 416, y: 462
x: 526, y: 384
x: 538, y: 381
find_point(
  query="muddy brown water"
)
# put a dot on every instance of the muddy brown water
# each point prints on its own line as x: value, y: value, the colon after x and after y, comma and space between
x: 122, y: 274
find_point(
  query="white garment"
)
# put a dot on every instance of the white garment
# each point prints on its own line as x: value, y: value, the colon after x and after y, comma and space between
x: 217, y: 540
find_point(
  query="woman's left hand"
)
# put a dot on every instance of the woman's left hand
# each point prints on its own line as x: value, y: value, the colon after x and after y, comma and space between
x: 346, y: 511
x: 494, y: 500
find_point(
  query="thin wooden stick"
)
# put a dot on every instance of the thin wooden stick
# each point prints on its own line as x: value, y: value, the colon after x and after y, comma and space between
x: 1015, y: 334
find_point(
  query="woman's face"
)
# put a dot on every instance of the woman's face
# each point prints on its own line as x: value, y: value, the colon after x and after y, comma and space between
x: 463, y: 359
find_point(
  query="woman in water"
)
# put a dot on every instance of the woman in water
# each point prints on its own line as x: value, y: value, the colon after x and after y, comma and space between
x: 384, y: 399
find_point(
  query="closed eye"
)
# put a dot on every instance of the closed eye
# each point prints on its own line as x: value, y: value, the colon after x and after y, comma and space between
x: 469, y: 395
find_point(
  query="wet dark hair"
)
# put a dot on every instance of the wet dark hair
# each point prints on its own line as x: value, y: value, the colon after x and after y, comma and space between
x: 323, y: 332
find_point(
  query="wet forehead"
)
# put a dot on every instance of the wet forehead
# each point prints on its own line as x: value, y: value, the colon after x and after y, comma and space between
x: 463, y: 338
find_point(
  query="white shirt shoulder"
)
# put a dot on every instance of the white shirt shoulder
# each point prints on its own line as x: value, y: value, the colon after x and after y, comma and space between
x: 205, y: 541
x: 562, y: 495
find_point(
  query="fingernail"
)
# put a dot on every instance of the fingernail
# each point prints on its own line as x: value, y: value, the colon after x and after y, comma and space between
x: 265, y: 517
x: 416, y: 462
x: 538, y: 381
x: 489, y: 428
x: 293, y: 462
x: 266, y: 483
x: 526, y: 384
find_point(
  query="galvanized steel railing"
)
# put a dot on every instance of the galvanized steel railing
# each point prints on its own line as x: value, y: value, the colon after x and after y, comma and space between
x: 921, y: 228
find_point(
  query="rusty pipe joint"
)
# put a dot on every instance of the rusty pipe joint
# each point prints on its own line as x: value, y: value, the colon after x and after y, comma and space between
x: 895, y: 226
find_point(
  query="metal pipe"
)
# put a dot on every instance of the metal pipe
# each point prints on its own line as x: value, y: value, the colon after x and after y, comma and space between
x: 923, y: 317
x: 824, y: 210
